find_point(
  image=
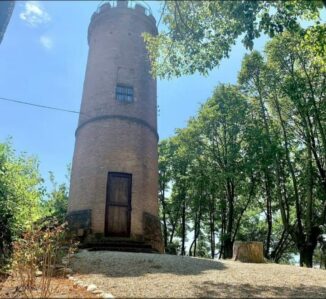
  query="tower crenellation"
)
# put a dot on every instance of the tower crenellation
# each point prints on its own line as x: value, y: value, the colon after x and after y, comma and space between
x: 110, y: 7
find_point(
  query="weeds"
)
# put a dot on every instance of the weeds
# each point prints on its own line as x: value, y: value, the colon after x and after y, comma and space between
x: 41, y: 249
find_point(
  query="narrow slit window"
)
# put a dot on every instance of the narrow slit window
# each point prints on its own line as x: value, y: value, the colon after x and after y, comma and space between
x: 124, y: 93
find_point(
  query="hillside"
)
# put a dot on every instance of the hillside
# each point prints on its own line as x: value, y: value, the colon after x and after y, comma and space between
x: 152, y: 275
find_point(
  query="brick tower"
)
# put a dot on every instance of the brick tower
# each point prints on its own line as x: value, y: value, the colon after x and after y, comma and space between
x: 114, y: 176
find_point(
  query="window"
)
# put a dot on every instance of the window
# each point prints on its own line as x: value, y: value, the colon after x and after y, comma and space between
x: 124, y: 93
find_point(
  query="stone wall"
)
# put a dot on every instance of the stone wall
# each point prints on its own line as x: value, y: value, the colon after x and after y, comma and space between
x: 152, y: 232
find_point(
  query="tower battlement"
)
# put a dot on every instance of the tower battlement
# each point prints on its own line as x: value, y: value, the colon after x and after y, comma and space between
x: 108, y: 8
x: 139, y: 6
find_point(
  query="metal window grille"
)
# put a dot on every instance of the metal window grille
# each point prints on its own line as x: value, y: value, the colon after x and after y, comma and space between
x: 124, y: 93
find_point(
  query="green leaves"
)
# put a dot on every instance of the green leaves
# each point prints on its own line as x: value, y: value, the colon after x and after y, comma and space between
x: 201, y: 33
x: 20, y: 188
x: 56, y: 203
x: 253, y: 158
x: 22, y: 196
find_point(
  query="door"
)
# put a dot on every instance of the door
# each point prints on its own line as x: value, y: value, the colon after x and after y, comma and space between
x: 118, y: 205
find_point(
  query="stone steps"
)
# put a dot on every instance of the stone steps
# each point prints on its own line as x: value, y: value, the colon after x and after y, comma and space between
x: 126, y: 245
x: 123, y: 249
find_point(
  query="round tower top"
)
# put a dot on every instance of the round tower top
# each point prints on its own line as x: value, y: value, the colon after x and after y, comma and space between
x: 139, y: 6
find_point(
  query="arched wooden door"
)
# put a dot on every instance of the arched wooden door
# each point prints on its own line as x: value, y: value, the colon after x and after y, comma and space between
x: 118, y: 205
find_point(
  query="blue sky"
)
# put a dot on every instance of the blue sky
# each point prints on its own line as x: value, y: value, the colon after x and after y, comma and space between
x: 42, y: 60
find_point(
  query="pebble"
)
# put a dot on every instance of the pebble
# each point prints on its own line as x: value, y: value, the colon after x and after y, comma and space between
x: 38, y: 273
x: 97, y: 291
x: 78, y: 282
x: 107, y: 295
x: 91, y: 287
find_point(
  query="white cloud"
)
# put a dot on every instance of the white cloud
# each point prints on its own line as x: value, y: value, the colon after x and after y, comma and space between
x: 34, y: 14
x: 46, y: 42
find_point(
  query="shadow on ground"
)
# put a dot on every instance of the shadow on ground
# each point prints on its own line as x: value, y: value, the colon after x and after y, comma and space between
x: 122, y: 264
x: 211, y: 289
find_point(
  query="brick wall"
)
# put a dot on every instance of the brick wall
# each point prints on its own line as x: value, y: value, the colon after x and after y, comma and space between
x: 114, y: 136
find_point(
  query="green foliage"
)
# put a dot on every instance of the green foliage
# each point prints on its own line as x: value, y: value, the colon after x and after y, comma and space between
x: 203, y: 249
x: 21, y: 191
x: 320, y: 254
x: 200, y: 33
x: 22, y: 198
x: 173, y: 248
x: 57, y: 202
x: 251, y: 164
x: 253, y: 227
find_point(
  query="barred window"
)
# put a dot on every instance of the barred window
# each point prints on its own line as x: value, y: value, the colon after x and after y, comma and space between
x: 124, y: 93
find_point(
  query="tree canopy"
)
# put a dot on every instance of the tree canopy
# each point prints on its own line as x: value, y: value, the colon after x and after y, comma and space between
x: 199, y: 34
x: 251, y: 164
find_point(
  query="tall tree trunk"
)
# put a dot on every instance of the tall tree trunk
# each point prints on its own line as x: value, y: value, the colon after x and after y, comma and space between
x: 281, y: 246
x: 250, y: 195
x: 212, y: 232
x: 269, y: 218
x: 318, y: 160
x: 309, y: 186
x: 165, y: 231
x: 290, y: 166
x: 172, y: 233
x: 228, y: 243
x: 228, y: 248
x: 183, y: 236
x: 222, y: 235
x: 196, y: 233
x: 174, y: 222
x: 306, y: 256
x: 306, y: 248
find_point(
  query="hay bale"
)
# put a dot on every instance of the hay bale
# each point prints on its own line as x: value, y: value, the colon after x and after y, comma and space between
x: 248, y: 252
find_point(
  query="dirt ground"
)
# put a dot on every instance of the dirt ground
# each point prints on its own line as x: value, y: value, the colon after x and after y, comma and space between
x: 60, y: 288
x: 152, y: 275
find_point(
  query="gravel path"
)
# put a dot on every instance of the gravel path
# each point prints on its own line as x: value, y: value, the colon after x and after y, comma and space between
x: 152, y: 275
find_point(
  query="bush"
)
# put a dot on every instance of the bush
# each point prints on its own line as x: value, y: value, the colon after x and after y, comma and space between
x: 173, y: 248
x: 40, y: 250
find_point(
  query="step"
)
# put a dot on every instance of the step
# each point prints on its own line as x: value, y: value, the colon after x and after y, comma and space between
x: 111, y: 241
x: 123, y: 249
x: 116, y: 244
x: 112, y: 244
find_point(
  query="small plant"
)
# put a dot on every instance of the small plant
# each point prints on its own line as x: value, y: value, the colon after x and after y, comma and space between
x: 25, y: 259
x: 51, y: 242
x: 38, y: 253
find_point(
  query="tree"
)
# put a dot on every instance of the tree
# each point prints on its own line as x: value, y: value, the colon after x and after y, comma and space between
x: 164, y: 168
x: 227, y: 132
x: 253, y: 83
x: 251, y: 164
x: 56, y: 204
x: 200, y: 33
x: 21, y: 191
x: 180, y: 168
x: 289, y: 89
x: 297, y: 96
x: 213, y: 175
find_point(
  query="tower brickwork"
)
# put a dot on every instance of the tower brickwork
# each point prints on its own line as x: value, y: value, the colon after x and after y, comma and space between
x: 114, y: 171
